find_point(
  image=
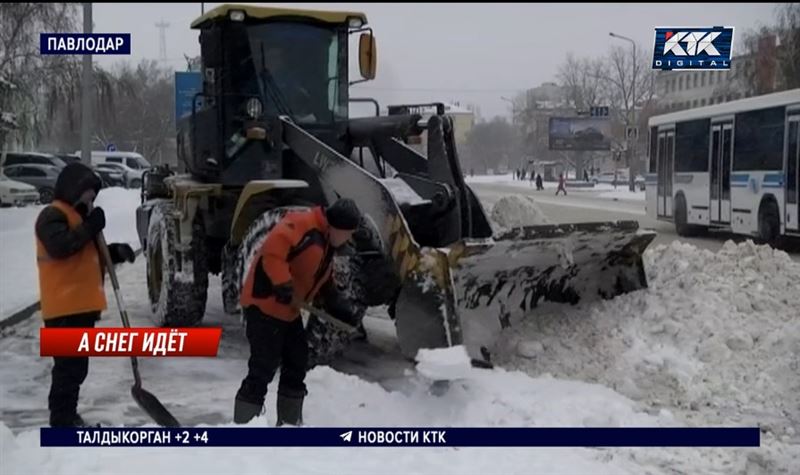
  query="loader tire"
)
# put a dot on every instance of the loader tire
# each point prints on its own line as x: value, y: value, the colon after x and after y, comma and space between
x: 326, y: 341
x: 177, y: 296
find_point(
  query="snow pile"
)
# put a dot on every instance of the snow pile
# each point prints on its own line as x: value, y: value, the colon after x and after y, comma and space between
x: 488, y: 398
x: 513, y: 211
x: 444, y: 363
x: 715, y: 338
x: 19, y: 284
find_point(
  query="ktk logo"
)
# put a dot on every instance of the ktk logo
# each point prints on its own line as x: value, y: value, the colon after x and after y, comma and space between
x: 681, y: 48
x: 696, y: 42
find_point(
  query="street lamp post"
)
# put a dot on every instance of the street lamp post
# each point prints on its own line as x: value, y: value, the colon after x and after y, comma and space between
x: 513, y: 114
x: 632, y: 118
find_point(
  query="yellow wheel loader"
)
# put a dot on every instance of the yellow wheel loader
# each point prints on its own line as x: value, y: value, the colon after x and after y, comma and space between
x: 270, y: 132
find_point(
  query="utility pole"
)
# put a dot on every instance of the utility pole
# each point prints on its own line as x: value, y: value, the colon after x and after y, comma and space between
x: 86, y: 93
x: 162, y: 39
x: 630, y: 145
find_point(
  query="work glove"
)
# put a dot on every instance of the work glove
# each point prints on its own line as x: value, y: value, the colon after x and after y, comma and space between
x: 96, y: 221
x: 121, y: 252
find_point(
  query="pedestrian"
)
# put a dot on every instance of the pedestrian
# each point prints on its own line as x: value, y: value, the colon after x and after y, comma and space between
x: 291, y: 267
x: 539, y: 183
x: 71, y: 278
x: 533, y: 177
x: 586, y: 176
x: 561, y: 184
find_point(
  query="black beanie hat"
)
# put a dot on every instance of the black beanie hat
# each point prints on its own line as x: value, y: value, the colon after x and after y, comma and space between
x: 343, y: 214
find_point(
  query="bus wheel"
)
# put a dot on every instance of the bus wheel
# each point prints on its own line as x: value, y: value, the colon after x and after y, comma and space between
x: 769, y: 222
x: 681, y: 217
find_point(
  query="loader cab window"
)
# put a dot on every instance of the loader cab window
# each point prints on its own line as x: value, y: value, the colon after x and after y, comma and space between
x: 297, y: 67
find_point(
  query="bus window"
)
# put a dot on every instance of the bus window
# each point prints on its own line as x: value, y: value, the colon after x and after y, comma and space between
x: 758, y: 142
x: 691, y: 145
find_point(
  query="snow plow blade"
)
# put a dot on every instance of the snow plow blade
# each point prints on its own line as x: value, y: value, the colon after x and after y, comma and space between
x: 469, y: 293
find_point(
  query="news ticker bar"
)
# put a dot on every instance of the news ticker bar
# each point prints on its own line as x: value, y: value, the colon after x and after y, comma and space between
x: 404, y: 437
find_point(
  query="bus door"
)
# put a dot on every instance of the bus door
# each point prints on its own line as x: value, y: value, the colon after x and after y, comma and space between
x: 792, y: 171
x: 721, y: 148
x: 666, y: 151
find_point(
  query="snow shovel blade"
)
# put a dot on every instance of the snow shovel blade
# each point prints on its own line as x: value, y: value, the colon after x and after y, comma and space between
x: 499, y: 279
x: 153, y: 407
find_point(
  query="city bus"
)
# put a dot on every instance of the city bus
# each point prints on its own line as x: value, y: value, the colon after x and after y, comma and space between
x: 728, y: 167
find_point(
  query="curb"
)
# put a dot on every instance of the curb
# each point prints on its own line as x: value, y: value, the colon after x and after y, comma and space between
x: 27, y: 312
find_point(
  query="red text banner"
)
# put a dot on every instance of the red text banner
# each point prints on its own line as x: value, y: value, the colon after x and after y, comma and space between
x: 129, y: 341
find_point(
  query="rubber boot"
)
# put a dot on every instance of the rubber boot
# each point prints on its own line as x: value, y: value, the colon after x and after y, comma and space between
x: 245, y: 411
x: 290, y: 407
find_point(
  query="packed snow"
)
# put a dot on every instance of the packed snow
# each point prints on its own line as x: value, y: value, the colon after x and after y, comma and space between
x: 715, y: 339
x: 444, y: 363
x: 19, y: 285
x: 513, y: 211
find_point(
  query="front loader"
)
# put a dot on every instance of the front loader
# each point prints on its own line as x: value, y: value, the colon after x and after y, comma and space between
x: 271, y: 133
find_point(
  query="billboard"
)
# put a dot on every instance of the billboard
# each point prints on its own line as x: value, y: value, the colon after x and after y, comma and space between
x: 187, y: 84
x: 580, y: 133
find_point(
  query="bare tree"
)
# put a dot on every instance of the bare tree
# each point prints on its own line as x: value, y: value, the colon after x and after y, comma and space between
x: 34, y: 75
x: 582, y: 81
x: 789, y: 54
x: 630, y: 88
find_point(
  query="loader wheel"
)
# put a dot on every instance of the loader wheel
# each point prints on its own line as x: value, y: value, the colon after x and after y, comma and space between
x: 325, y: 341
x: 177, y: 296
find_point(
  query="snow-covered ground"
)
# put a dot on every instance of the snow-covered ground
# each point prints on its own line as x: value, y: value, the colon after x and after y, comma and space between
x: 605, y: 190
x: 19, y: 286
x: 713, y: 341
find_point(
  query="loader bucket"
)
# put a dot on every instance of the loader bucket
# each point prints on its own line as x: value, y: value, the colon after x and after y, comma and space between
x: 495, y: 281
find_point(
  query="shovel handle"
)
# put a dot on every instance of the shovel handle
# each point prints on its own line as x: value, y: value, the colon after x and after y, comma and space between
x: 322, y: 314
x: 123, y: 313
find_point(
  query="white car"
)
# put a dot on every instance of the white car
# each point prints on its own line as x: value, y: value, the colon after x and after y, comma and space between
x: 132, y: 164
x: 16, y: 193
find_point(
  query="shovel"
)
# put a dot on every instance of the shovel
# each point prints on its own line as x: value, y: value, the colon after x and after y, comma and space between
x: 146, y: 400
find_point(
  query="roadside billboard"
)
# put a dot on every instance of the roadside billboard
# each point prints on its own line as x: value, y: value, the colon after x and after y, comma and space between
x: 580, y: 133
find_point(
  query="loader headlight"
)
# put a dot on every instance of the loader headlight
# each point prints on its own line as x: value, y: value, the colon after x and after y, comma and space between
x: 237, y: 15
x: 355, y: 22
x: 254, y: 108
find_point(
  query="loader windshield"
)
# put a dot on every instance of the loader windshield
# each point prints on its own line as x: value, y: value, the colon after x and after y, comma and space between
x: 299, y: 65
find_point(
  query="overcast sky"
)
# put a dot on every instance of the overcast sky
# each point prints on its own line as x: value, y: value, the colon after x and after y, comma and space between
x: 472, y: 53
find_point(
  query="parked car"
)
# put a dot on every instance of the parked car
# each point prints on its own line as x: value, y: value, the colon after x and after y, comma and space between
x: 133, y: 163
x: 112, y: 174
x: 16, y: 193
x: 30, y: 158
x: 43, y: 177
x: 68, y: 158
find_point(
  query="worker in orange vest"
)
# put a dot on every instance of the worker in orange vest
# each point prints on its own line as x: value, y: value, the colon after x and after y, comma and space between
x: 71, y: 278
x: 292, y: 266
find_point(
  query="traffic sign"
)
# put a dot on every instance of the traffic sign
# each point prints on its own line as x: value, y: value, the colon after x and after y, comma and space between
x: 632, y: 133
x: 600, y: 111
x: 111, y: 148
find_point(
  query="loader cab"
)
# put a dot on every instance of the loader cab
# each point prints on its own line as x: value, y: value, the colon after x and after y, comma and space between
x: 259, y: 64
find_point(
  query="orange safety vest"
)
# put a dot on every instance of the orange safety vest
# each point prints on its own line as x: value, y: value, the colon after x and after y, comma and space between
x: 296, y: 250
x: 73, y: 284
